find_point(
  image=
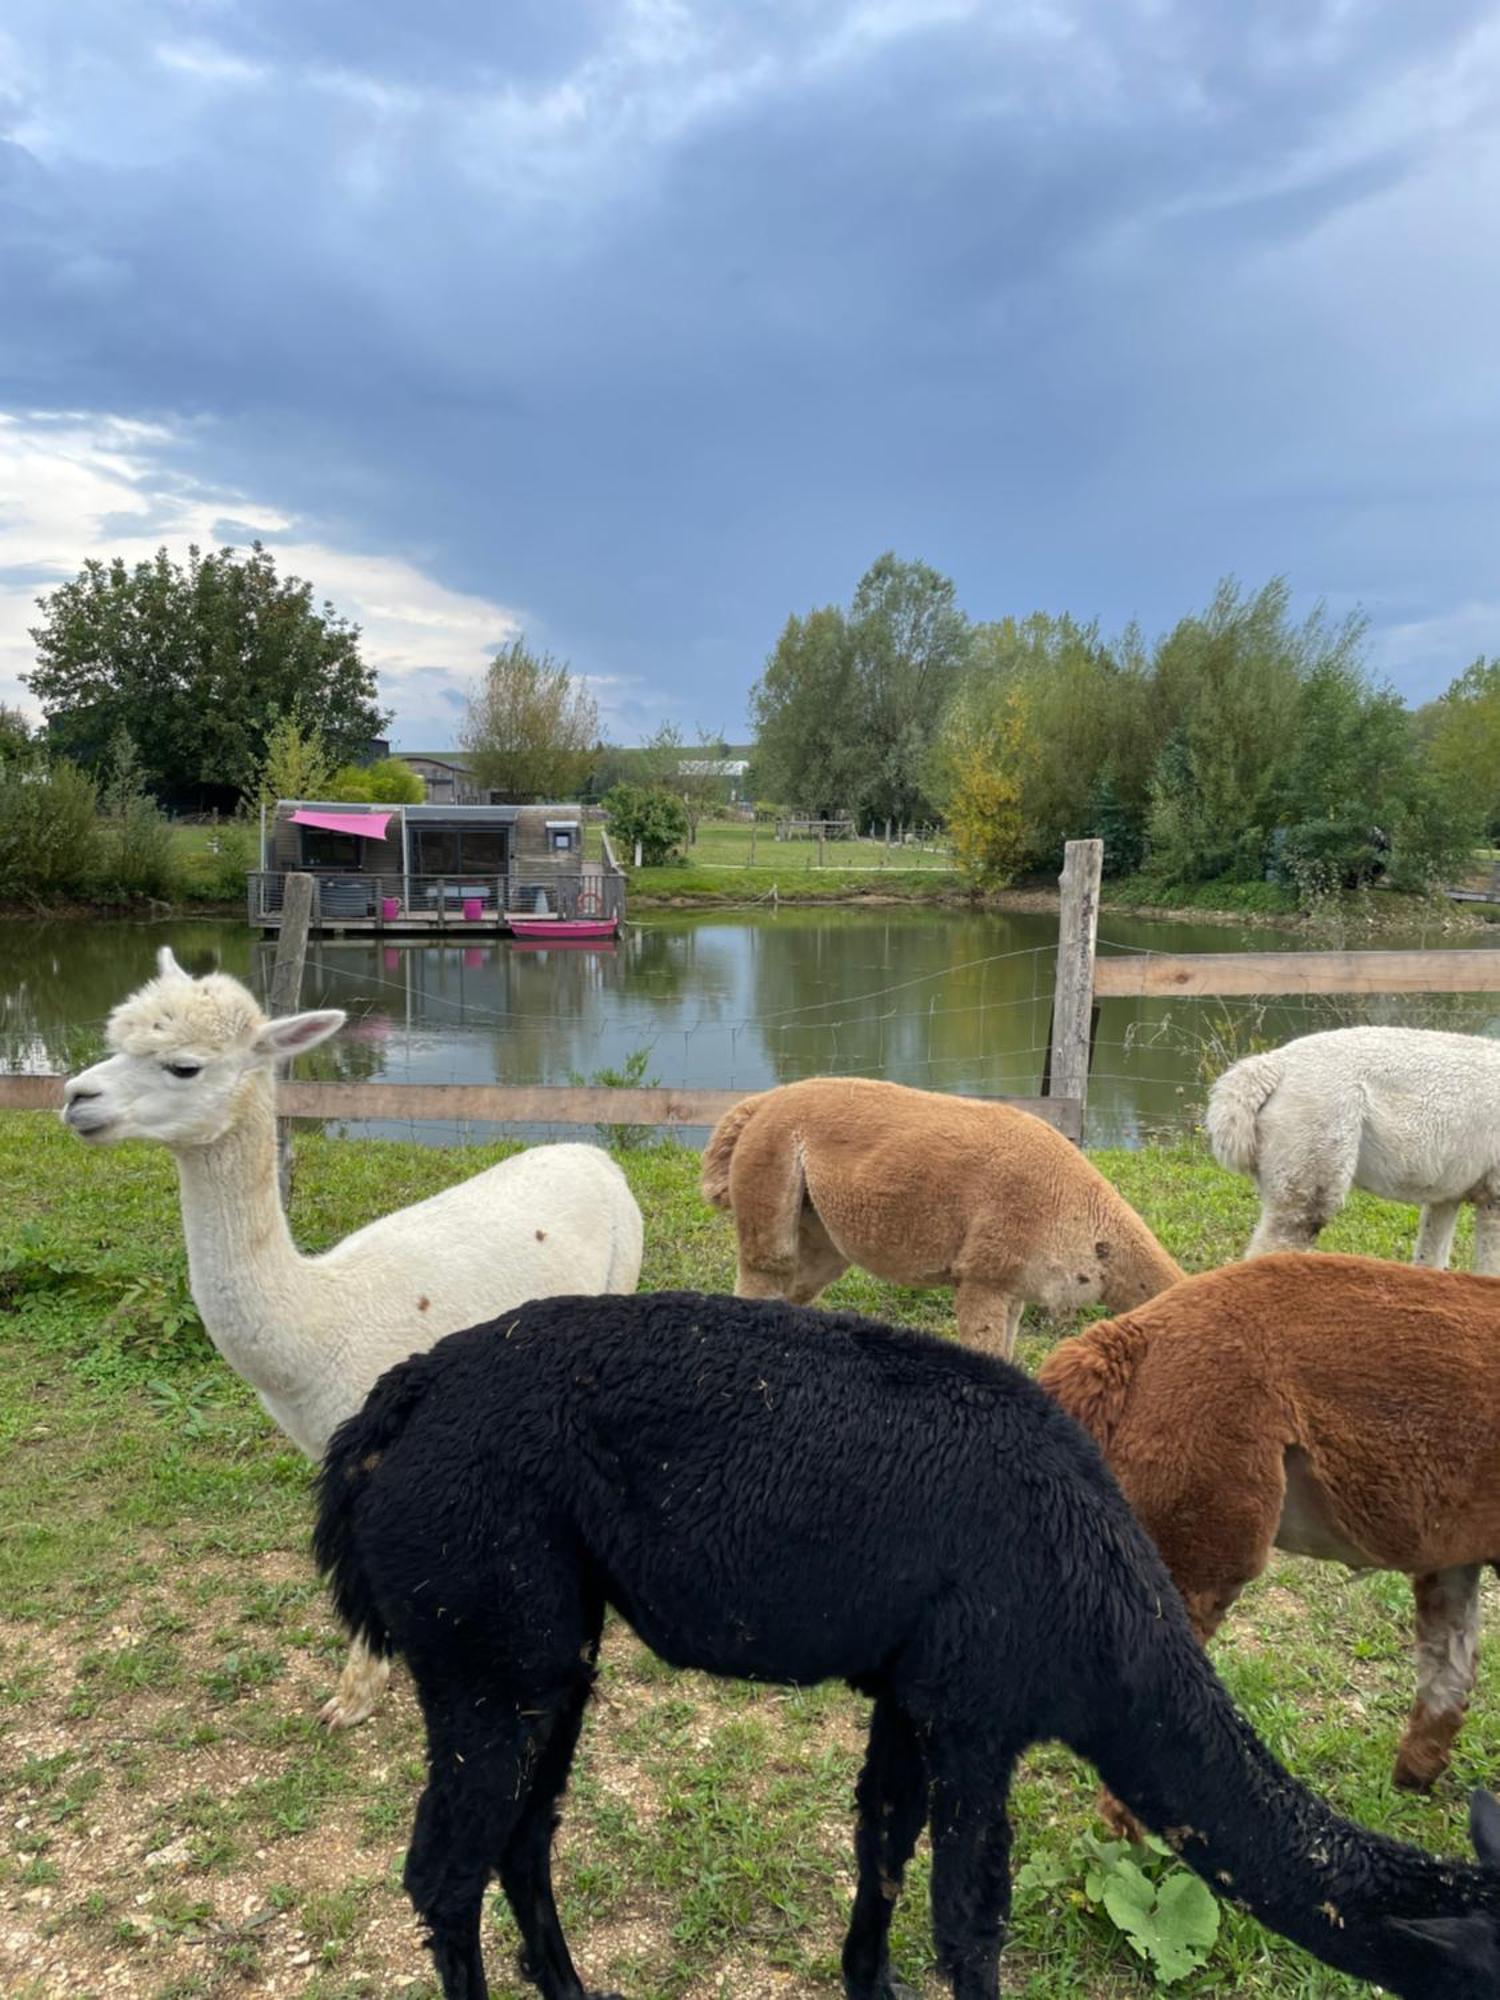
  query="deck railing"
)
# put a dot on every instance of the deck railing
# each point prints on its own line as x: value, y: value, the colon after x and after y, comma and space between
x: 372, y: 900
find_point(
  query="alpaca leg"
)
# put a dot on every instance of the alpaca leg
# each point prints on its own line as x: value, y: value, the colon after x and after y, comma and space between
x: 989, y: 1317
x: 1487, y: 1239
x: 892, y: 1805
x: 360, y: 1687
x: 1307, y: 1162
x: 487, y: 1755
x: 526, y: 1862
x: 1447, y: 1661
x: 768, y: 1191
x: 970, y: 1860
x: 819, y: 1259
x: 1435, y: 1234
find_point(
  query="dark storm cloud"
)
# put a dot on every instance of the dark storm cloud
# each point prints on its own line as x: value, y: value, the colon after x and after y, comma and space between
x: 662, y: 320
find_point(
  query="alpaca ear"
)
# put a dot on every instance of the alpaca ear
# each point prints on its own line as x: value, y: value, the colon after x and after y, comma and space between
x: 1470, y: 1939
x: 167, y: 966
x: 1484, y: 1827
x: 295, y: 1034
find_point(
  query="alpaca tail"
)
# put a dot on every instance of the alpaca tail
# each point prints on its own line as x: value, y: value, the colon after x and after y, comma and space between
x: 354, y: 1450
x: 1234, y: 1106
x: 1091, y: 1374
x: 713, y: 1180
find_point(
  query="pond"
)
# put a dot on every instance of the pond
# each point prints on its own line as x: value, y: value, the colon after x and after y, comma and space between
x: 946, y: 999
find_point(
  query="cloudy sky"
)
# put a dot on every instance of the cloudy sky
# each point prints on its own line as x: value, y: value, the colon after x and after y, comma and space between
x: 637, y: 324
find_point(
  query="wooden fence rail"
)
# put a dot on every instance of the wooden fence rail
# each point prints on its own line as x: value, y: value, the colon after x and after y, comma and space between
x: 1290, y: 972
x: 503, y: 1103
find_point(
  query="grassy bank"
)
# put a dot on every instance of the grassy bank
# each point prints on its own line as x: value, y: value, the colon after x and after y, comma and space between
x: 174, y: 1824
x: 718, y: 872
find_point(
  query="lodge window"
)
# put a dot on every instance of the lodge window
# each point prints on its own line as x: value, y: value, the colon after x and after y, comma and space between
x: 458, y: 850
x: 324, y: 849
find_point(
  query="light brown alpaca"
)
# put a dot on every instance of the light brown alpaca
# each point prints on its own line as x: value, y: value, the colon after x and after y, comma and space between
x: 924, y: 1189
x: 1339, y: 1407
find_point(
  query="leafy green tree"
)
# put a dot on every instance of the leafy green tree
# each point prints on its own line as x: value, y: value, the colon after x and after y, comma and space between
x: 1462, y: 735
x: 910, y: 646
x: 1224, y: 693
x: 849, y: 703
x: 809, y: 746
x: 18, y: 743
x: 387, y: 782
x: 295, y: 765
x: 196, y: 663
x: 136, y: 856
x: 49, y: 838
x: 986, y: 816
x: 531, y: 730
x: 651, y: 815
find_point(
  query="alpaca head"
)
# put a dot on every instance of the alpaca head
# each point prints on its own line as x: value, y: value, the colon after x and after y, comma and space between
x: 184, y: 1050
x: 1456, y: 1956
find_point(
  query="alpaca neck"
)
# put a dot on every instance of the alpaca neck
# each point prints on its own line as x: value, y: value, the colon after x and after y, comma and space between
x: 1180, y: 1756
x: 247, y: 1279
x: 1138, y: 1270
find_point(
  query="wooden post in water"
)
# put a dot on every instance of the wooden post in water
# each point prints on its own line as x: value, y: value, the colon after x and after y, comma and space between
x: 1067, y: 1072
x: 286, y: 994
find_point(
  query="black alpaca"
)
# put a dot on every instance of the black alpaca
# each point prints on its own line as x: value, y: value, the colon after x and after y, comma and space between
x: 783, y: 1495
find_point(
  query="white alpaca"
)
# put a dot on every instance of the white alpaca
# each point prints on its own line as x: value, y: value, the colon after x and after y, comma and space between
x: 311, y: 1335
x: 1409, y: 1113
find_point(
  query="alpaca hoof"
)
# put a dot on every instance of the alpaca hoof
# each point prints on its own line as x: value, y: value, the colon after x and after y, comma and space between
x: 345, y: 1711
x: 1120, y: 1820
x: 1416, y: 1777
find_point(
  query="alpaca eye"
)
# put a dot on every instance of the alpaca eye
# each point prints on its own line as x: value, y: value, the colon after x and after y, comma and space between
x: 183, y: 1070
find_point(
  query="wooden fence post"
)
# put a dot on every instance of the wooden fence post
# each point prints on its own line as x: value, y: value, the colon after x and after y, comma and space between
x: 286, y: 995
x: 1073, y: 996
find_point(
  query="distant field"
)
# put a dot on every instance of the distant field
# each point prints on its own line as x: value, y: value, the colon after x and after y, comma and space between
x: 719, y: 864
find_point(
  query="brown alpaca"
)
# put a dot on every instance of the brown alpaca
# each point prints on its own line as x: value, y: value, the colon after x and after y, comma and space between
x: 1339, y: 1407
x: 924, y: 1189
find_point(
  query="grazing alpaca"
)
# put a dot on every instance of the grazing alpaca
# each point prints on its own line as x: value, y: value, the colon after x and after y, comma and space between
x: 924, y: 1189
x: 780, y: 1495
x: 1409, y: 1113
x: 1339, y: 1407
x: 193, y: 1069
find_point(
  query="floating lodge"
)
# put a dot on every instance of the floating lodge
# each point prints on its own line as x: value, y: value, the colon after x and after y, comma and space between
x: 464, y: 869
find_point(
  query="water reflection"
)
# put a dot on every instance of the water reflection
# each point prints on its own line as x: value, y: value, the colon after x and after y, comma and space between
x: 946, y: 999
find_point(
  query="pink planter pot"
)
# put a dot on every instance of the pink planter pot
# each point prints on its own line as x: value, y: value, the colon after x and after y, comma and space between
x: 473, y: 909
x: 390, y: 906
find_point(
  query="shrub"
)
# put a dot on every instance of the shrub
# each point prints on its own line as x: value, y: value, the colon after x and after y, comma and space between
x: 648, y: 814
x: 49, y: 837
x: 136, y: 856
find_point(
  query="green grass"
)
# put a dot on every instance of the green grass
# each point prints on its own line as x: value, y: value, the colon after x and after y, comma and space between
x: 169, y: 1806
x: 717, y: 869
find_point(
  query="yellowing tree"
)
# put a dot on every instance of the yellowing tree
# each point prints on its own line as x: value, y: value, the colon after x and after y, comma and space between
x: 986, y: 819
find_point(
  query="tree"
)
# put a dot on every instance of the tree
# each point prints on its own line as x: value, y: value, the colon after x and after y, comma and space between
x: 17, y: 742
x: 531, y: 730
x: 986, y: 820
x: 911, y: 645
x: 196, y: 663
x: 49, y: 835
x: 810, y: 749
x: 651, y: 815
x: 296, y: 765
x: 389, y: 782
x: 1462, y: 732
x: 135, y: 849
x: 849, y: 703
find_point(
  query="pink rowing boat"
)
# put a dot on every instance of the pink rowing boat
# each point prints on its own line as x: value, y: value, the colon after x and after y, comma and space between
x: 564, y: 930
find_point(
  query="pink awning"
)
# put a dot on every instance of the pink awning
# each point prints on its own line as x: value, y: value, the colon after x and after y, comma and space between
x: 364, y: 826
